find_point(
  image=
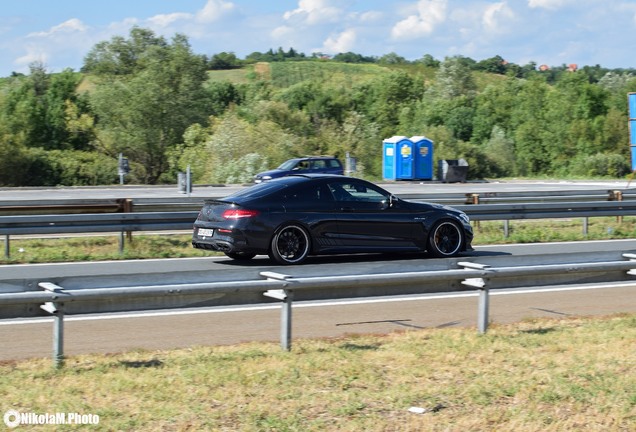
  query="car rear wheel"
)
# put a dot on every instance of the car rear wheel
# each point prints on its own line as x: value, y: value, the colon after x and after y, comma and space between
x: 241, y: 256
x: 445, y: 240
x: 290, y: 245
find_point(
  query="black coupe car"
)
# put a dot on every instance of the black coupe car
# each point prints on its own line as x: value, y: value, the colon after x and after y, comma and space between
x: 293, y: 217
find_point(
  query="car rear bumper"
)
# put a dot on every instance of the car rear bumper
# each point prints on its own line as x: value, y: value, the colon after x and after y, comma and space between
x: 218, y: 246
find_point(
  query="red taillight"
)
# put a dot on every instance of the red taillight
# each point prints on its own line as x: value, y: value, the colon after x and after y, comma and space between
x: 239, y: 214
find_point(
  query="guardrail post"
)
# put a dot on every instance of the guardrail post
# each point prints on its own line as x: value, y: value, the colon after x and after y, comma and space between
x: 483, y: 311
x: 617, y: 195
x: 287, y: 297
x: 585, y: 226
x: 473, y: 198
x: 57, y: 310
x: 506, y: 228
x: 484, y: 298
x: 125, y: 206
x: 121, y: 242
x: 7, y: 252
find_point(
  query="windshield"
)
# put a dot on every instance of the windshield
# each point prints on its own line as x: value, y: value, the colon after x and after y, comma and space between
x: 288, y: 165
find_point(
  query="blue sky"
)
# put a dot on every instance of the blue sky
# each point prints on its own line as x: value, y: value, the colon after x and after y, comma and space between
x: 553, y: 32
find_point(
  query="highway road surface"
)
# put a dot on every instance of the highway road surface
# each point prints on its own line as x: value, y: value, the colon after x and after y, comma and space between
x: 180, y: 328
x: 206, y: 191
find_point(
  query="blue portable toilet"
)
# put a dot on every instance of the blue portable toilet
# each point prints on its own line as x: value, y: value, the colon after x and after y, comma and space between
x: 392, y: 160
x: 631, y: 99
x: 407, y: 158
x: 422, y: 158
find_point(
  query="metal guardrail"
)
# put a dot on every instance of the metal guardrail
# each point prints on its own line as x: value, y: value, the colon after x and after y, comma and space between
x: 548, y: 210
x: 282, y: 287
x: 158, y: 221
x: 94, y: 223
x: 189, y: 203
x: 168, y: 221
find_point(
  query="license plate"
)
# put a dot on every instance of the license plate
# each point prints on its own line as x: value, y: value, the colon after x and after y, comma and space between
x: 205, y: 232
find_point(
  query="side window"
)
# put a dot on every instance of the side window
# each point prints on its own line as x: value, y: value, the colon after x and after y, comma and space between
x: 318, y: 164
x: 354, y: 191
x: 334, y: 163
x: 302, y: 165
x: 308, y: 195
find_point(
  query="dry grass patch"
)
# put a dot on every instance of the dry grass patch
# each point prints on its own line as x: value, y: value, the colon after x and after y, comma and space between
x: 539, y: 375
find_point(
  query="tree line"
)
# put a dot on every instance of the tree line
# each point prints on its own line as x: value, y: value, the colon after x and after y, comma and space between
x: 165, y: 108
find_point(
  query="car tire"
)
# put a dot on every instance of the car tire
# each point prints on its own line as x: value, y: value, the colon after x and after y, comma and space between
x: 240, y: 256
x: 445, y: 239
x: 290, y: 245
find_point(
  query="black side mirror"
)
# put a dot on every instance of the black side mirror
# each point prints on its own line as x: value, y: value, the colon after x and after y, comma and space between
x: 385, y: 204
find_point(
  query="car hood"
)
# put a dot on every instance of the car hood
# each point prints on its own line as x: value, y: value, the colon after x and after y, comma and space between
x: 426, y: 206
x: 272, y: 173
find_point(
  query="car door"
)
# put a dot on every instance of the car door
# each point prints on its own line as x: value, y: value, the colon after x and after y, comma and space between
x: 367, y: 221
x: 313, y: 206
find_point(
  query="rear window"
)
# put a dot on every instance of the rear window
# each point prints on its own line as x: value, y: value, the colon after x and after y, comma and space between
x: 262, y: 189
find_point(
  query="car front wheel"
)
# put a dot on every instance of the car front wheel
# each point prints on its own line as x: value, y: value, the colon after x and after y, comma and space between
x: 445, y: 239
x: 290, y: 245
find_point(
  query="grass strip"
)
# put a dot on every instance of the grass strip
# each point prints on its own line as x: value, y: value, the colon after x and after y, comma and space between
x: 573, y: 374
x: 144, y: 246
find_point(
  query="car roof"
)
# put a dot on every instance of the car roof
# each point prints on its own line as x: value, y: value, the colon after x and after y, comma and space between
x: 315, y: 157
x: 315, y: 175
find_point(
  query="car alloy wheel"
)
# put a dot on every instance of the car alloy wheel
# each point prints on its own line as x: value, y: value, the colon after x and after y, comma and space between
x: 445, y: 240
x: 290, y: 245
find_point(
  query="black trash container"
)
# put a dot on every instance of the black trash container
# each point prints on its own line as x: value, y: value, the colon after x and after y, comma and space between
x: 452, y: 170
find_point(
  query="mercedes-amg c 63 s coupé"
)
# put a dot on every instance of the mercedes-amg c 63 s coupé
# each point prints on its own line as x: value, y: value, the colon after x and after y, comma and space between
x: 297, y: 216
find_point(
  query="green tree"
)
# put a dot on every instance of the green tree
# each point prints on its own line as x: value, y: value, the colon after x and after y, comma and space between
x: 145, y: 113
x: 34, y: 109
x: 381, y: 100
x: 392, y: 59
x: 121, y: 56
x: 454, y: 78
x: 224, y: 60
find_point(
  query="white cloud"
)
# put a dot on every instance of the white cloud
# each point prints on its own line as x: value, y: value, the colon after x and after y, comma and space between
x: 282, y: 32
x: 549, y: 4
x: 214, y: 10
x: 371, y: 16
x: 429, y: 14
x: 55, y: 44
x: 34, y: 54
x: 343, y: 42
x: 167, y: 19
x: 73, y: 25
x: 314, y: 12
x: 496, y: 16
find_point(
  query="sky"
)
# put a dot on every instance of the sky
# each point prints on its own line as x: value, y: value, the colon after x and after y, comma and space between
x: 59, y: 33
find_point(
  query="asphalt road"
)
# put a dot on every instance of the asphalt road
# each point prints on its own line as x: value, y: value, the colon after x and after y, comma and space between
x: 227, y: 269
x: 400, y: 187
x: 178, y: 328
x: 161, y: 330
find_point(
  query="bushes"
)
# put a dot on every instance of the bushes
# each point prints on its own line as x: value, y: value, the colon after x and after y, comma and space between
x: 600, y: 165
x: 39, y: 167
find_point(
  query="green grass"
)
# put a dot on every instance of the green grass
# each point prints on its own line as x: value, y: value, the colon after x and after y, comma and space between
x: 574, y: 374
x: 285, y: 74
x: 143, y: 246
x: 235, y: 76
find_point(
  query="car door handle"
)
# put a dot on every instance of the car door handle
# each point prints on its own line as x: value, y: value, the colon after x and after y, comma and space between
x: 347, y: 209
